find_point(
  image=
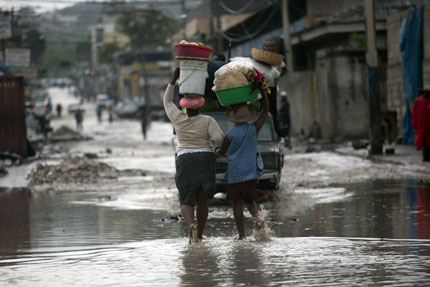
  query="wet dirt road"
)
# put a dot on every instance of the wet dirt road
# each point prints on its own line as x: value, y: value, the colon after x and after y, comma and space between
x: 338, y: 221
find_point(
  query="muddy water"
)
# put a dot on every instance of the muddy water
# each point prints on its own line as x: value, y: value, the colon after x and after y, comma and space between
x: 365, y: 234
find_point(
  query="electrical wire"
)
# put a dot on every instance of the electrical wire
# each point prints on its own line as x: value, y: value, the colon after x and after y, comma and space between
x: 231, y: 11
x: 253, y: 34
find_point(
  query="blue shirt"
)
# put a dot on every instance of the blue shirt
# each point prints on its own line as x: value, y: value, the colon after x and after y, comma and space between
x: 242, y: 154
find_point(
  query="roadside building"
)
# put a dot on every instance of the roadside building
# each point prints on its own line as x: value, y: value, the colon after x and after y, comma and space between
x: 143, y: 74
x: 327, y: 86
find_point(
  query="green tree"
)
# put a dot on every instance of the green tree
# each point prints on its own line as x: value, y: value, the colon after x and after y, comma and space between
x: 148, y: 29
x: 106, y: 53
x: 57, y: 59
x: 35, y: 40
x: 83, y: 51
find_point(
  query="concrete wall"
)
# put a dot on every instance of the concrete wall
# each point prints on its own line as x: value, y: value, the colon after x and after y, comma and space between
x: 342, y: 110
x: 394, y: 69
x: 342, y: 104
x: 298, y: 85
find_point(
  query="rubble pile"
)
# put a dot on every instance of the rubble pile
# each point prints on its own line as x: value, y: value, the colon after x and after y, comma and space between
x: 66, y: 133
x: 72, y: 170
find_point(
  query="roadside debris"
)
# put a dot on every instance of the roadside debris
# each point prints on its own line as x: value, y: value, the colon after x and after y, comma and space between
x: 65, y: 133
x: 10, y: 158
x: 72, y: 170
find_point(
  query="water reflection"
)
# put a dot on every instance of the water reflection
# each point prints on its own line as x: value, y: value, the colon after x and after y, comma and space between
x: 14, y: 221
x: 200, y: 264
x: 246, y: 265
x: 421, y: 213
x: 372, y: 210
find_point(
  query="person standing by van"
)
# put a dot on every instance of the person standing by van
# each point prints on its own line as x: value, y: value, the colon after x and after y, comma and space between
x: 421, y: 123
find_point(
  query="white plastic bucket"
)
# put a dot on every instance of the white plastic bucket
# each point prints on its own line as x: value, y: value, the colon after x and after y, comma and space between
x: 192, y: 77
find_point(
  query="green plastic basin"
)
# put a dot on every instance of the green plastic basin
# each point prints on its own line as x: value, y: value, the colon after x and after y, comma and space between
x: 237, y: 95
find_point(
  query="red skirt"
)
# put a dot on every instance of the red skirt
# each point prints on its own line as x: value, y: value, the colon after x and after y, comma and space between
x: 246, y: 191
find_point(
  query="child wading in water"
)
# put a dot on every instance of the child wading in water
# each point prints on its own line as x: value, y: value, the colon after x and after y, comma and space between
x: 244, y: 163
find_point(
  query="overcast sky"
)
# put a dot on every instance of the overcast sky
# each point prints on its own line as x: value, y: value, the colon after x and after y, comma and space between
x: 50, y: 5
x: 39, y: 5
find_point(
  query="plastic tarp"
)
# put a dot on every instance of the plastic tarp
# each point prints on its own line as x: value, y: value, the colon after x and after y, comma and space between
x: 411, y: 47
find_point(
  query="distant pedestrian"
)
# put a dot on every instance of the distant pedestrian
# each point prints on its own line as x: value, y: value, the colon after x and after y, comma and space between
x: 143, y: 115
x: 285, y: 119
x: 79, y: 117
x: 59, y: 109
x: 421, y: 122
x: 99, y: 112
x: 110, y: 112
x: 49, y: 106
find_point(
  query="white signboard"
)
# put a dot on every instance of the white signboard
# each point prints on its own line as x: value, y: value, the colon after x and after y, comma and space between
x: 17, y: 57
x: 5, y: 31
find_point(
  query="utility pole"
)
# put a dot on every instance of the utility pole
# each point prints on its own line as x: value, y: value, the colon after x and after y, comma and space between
x: 287, y: 38
x: 372, y: 68
x: 220, y: 42
x: 183, y: 17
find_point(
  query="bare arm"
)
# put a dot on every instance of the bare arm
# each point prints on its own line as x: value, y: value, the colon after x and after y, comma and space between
x: 171, y: 110
x: 224, y: 147
x: 175, y: 76
x: 262, y: 117
x: 215, y: 132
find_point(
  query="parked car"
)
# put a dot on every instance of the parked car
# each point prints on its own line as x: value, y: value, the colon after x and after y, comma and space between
x: 126, y: 109
x: 73, y: 107
x: 129, y: 108
x: 103, y: 100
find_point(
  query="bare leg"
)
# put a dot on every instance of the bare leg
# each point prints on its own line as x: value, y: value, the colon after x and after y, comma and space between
x: 202, y: 212
x: 188, y: 213
x: 238, y: 217
x: 252, y: 208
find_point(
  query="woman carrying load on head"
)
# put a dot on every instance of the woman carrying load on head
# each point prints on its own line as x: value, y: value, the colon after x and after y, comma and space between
x: 195, y: 160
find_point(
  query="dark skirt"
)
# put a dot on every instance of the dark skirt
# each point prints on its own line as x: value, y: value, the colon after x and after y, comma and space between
x: 194, y: 172
x: 246, y: 191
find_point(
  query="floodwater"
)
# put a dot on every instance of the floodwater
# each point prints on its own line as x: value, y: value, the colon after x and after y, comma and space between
x: 375, y: 233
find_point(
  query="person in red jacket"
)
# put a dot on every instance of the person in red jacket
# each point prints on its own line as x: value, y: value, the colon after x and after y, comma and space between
x: 421, y: 123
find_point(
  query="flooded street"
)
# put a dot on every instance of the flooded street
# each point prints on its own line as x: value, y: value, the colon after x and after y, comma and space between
x: 336, y: 236
x: 336, y: 221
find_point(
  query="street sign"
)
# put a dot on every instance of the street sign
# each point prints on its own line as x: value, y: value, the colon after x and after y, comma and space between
x: 5, y: 31
x: 17, y: 57
x: 26, y: 72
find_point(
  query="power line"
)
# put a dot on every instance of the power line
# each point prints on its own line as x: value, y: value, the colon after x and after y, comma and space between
x: 253, y: 34
x: 239, y: 11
